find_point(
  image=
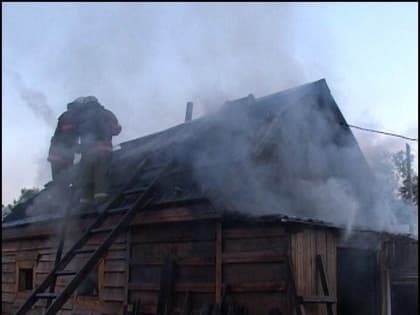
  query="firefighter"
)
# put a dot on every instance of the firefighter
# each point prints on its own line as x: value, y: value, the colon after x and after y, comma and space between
x: 96, y: 127
x: 64, y: 142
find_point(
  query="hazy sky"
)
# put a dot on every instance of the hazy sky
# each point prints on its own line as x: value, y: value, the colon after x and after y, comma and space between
x: 144, y: 61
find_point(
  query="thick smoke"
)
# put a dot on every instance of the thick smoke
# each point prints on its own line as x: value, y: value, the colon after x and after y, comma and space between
x: 35, y: 100
x: 145, y: 61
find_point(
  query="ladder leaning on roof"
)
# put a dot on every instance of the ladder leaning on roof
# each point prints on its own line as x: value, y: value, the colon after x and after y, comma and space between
x: 144, y: 198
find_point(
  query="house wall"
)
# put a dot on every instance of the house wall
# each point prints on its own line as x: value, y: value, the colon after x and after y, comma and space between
x: 398, y: 262
x: 35, y: 245
x: 215, y: 260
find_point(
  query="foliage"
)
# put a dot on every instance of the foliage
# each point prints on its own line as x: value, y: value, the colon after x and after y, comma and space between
x: 25, y: 194
x: 400, y: 161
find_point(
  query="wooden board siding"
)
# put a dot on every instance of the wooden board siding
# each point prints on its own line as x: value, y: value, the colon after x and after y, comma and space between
x: 305, y: 245
x: 40, y: 252
x: 208, y: 256
x: 191, y: 245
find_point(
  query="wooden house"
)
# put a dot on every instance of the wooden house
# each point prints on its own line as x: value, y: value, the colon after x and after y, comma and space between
x: 227, y: 231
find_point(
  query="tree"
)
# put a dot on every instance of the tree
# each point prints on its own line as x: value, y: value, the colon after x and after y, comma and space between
x: 400, y: 161
x: 25, y: 194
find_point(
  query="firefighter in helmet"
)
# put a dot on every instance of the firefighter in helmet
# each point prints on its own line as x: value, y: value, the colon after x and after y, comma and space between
x: 95, y: 127
x: 64, y: 142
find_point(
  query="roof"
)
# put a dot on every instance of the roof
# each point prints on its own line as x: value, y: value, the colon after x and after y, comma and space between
x: 289, y: 154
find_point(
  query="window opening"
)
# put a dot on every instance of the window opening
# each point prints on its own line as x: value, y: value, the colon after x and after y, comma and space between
x: 90, y: 286
x: 26, y: 277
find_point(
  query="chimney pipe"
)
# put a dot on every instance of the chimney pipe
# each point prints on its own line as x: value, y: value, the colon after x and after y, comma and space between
x: 188, y: 113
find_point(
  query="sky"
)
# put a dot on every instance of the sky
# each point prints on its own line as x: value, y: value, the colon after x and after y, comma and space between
x: 145, y: 61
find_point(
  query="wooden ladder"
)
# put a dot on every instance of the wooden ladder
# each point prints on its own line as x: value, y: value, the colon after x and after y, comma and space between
x: 300, y: 301
x: 143, y: 198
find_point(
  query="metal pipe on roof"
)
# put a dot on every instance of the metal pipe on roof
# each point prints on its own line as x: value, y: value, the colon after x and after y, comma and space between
x: 188, y: 113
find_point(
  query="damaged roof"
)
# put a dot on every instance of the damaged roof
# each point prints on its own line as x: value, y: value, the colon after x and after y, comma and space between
x: 283, y: 154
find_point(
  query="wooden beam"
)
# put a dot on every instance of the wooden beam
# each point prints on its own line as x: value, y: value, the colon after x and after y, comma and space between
x: 178, y: 214
x: 317, y: 299
x: 219, y: 252
x: 267, y: 286
x: 127, y: 261
x: 253, y: 257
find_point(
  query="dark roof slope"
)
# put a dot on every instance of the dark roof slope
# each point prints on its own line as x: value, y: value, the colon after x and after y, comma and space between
x: 289, y: 153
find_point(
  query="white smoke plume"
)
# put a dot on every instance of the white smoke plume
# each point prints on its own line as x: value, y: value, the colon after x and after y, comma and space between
x: 35, y: 100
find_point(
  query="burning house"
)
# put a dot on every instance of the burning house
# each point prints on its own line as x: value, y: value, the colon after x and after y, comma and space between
x: 266, y: 206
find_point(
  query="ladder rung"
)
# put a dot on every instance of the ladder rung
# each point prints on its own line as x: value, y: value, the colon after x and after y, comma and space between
x: 65, y: 273
x: 46, y: 295
x: 136, y: 190
x: 318, y: 299
x: 84, y: 251
x: 119, y: 209
x: 102, y: 230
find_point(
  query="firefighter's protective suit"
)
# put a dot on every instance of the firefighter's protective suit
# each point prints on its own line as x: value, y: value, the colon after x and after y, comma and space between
x: 64, y: 142
x: 96, y: 127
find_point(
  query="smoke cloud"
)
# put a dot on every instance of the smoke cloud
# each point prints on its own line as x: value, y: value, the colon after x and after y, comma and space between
x: 145, y: 61
x: 35, y: 100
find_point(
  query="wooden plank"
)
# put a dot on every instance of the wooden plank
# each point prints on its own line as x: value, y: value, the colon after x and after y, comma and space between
x: 115, y: 279
x: 8, y: 259
x: 153, y: 253
x: 8, y: 267
x: 324, y: 281
x: 115, y: 265
x: 251, y: 257
x: 187, y: 261
x: 254, y: 272
x: 167, y: 280
x: 8, y: 287
x: 163, y: 233
x: 186, y: 309
x: 179, y: 287
x: 262, y: 302
x: 8, y: 297
x: 8, y: 277
x: 27, y: 244
x: 331, y: 262
x: 113, y: 294
x: 43, y: 229
x: 176, y: 214
x: 269, y: 286
x: 98, y: 239
x: 116, y: 254
x: 318, y: 299
x: 103, y: 307
x: 254, y: 232
x: 320, y: 249
x: 275, y: 244
x: 43, y: 267
x: 219, y: 273
x: 127, y: 262
x: 196, y: 274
